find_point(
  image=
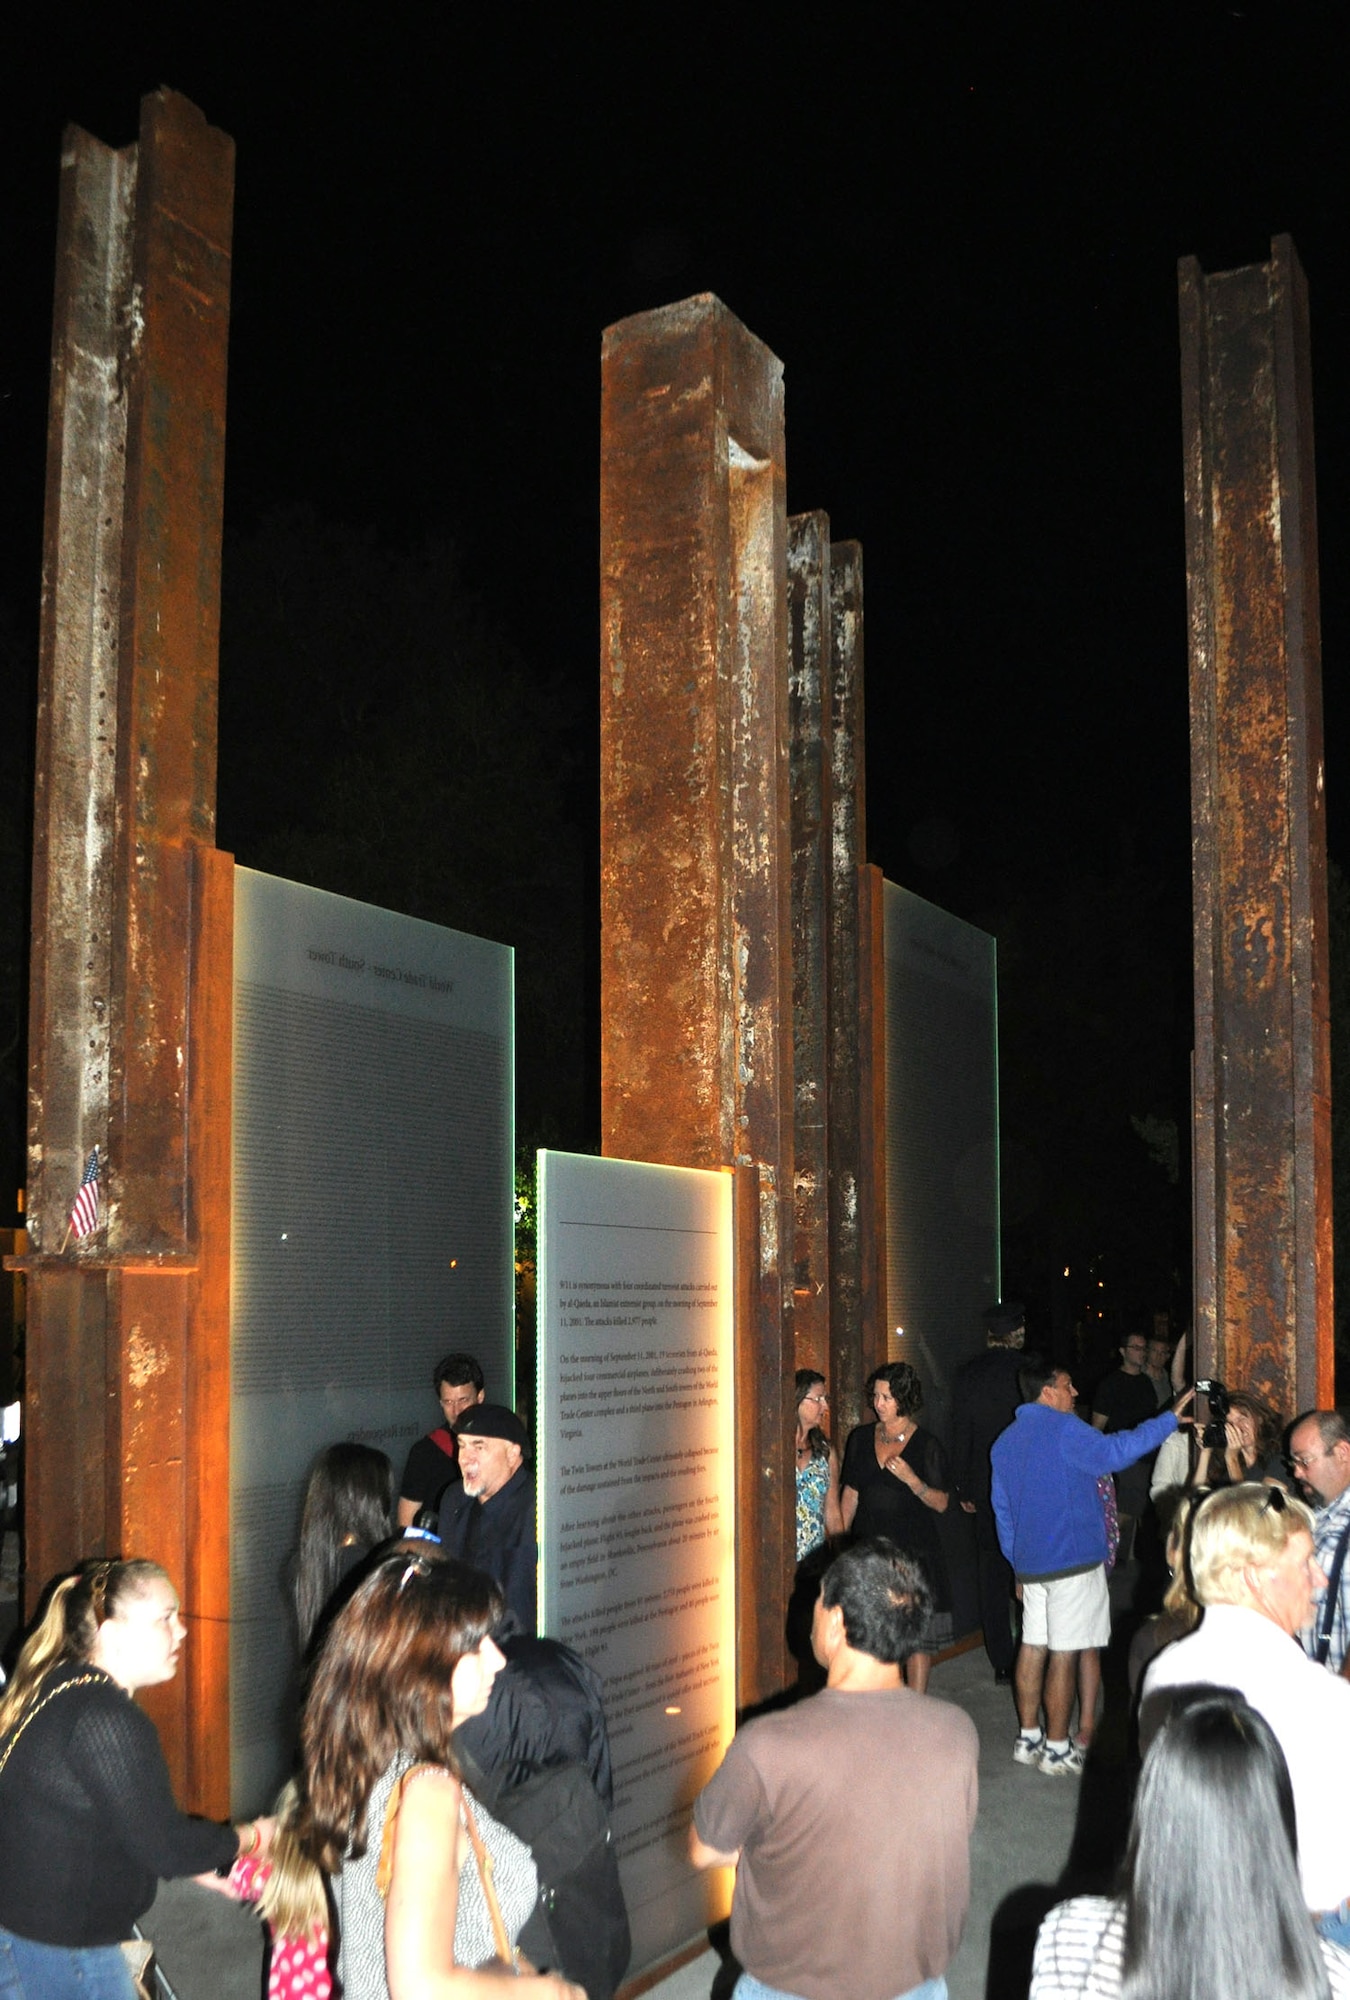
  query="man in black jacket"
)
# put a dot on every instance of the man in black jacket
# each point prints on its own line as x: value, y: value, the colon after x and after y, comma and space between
x: 488, y: 1518
x: 984, y: 1399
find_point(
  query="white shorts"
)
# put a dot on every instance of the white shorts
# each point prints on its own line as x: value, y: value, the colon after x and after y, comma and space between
x: 1068, y: 1613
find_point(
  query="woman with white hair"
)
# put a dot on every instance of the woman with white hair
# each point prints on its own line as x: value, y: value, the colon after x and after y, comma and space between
x: 1253, y: 1572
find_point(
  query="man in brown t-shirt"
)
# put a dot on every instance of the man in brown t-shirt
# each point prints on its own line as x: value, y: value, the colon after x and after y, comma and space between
x: 848, y: 1817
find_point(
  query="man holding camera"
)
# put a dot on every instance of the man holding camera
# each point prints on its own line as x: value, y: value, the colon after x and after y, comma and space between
x: 1052, y: 1529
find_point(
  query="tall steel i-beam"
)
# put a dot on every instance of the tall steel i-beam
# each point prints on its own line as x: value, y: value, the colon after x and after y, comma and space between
x: 130, y: 1010
x: 695, y: 858
x: 1262, y: 1099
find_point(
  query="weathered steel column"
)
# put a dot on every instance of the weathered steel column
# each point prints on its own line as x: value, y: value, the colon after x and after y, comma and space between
x: 128, y: 1403
x: 1263, y: 1271
x: 696, y: 994
x: 857, y: 1176
x: 809, y: 691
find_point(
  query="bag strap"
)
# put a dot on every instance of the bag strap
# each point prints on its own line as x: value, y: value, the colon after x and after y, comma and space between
x: 1328, y: 1618
x: 31, y: 1714
x: 485, y: 1872
x: 384, y: 1872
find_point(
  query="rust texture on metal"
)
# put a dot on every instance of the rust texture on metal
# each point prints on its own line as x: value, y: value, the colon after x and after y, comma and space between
x: 77, y: 694
x: 809, y: 684
x: 1262, y: 1094
x: 170, y: 647
x: 871, y: 1346
x: 764, y: 1546
x: 854, y: 1176
x: 696, y: 997
x: 128, y: 1334
x: 70, y: 978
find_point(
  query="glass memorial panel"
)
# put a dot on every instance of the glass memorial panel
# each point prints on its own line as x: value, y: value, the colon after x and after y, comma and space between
x: 637, y: 1498
x: 942, y: 1194
x: 372, y: 1228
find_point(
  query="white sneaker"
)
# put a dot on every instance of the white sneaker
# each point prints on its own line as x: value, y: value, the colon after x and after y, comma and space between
x: 1028, y: 1749
x: 1061, y: 1763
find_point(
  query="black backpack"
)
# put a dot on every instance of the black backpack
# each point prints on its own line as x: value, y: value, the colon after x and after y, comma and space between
x: 579, y: 1926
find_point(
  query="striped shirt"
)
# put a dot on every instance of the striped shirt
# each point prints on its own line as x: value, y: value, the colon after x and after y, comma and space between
x: 1081, y: 1946
x: 1329, y: 1525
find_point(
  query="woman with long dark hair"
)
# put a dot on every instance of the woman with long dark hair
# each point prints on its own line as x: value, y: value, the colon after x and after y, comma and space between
x: 88, y: 1822
x: 349, y: 1503
x: 895, y: 1483
x: 430, y: 1890
x: 818, y: 1514
x: 1210, y: 1904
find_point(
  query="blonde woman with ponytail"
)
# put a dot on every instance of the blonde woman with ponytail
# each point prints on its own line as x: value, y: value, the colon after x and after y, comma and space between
x: 88, y: 1822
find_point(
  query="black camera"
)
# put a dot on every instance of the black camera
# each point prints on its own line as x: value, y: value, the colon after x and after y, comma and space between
x: 1214, y: 1437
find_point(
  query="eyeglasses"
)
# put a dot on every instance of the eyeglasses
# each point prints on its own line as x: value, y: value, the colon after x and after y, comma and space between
x: 1303, y: 1459
x: 819, y: 1398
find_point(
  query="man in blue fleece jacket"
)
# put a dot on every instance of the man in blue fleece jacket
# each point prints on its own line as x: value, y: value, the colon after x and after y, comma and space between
x: 1052, y: 1529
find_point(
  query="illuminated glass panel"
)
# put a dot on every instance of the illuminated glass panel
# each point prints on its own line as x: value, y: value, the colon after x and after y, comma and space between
x: 637, y: 1497
x: 942, y: 1215
x: 372, y: 1227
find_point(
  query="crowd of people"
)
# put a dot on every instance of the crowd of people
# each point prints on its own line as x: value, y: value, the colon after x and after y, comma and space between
x: 1236, y: 1874
x: 435, y: 1726
x: 445, y: 1827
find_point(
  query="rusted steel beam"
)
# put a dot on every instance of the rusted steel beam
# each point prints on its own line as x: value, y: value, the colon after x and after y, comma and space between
x: 70, y: 997
x: 695, y: 874
x: 129, y: 1331
x: 873, y: 1345
x: 854, y: 1177
x: 809, y: 691
x: 206, y: 1677
x: 765, y: 1550
x: 166, y: 755
x: 1262, y: 1152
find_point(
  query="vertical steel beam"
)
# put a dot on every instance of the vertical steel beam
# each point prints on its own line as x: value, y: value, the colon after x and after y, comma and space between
x: 872, y: 1341
x: 695, y: 872
x: 809, y: 693
x: 128, y: 1366
x: 1262, y: 1196
x: 74, y: 809
x: 857, y: 1343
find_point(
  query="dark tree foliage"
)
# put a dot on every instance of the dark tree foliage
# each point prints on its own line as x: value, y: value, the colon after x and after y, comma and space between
x: 379, y: 737
x: 1094, y: 1104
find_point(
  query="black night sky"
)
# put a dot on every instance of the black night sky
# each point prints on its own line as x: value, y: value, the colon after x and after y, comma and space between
x: 959, y: 229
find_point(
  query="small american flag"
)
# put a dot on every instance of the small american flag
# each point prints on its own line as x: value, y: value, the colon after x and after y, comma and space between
x: 84, y: 1215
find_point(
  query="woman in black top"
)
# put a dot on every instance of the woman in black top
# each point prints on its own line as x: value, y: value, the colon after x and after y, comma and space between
x: 895, y: 1482
x: 88, y: 1822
